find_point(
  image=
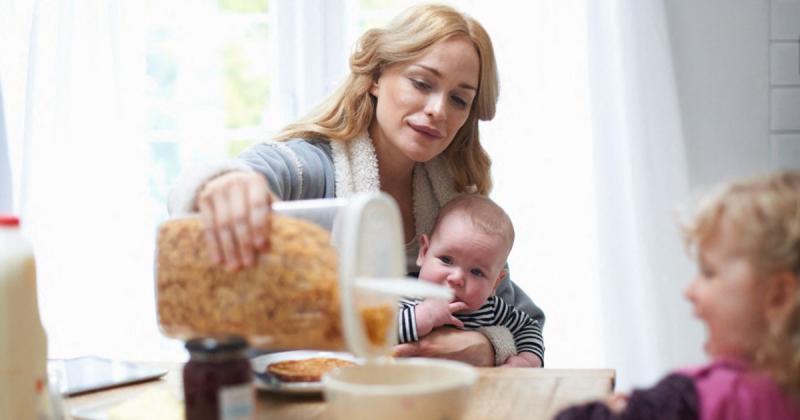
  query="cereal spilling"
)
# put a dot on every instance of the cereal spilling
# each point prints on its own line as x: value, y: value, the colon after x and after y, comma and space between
x: 289, y: 299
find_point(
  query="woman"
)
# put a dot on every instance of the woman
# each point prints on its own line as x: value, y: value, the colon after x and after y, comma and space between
x: 404, y: 122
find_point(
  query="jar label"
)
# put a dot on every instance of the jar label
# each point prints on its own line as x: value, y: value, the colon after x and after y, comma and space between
x: 237, y: 402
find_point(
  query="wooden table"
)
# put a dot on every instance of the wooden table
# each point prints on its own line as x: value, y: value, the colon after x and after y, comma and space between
x: 501, y: 393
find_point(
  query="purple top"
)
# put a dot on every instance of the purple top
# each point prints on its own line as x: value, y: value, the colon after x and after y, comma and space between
x: 721, y: 390
x: 728, y: 389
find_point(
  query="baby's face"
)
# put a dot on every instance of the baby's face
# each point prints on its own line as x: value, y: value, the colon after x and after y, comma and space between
x: 728, y: 297
x: 464, y: 258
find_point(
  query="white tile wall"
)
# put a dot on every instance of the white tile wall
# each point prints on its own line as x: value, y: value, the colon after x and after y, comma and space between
x: 785, y: 20
x: 784, y: 63
x: 784, y: 51
x: 785, y: 109
x: 785, y: 151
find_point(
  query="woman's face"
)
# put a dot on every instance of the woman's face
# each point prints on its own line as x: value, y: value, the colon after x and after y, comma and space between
x: 422, y: 103
x: 728, y: 297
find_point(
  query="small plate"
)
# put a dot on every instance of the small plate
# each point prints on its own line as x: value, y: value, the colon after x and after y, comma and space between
x: 265, y: 381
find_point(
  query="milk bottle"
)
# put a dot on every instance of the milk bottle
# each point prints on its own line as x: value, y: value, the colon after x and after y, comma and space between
x: 23, y: 344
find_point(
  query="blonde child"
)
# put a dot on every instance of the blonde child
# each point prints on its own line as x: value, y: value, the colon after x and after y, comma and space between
x: 467, y: 251
x: 747, y: 292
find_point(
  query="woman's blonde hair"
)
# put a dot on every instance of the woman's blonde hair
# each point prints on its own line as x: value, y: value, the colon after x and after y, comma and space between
x: 765, y: 212
x: 348, y: 112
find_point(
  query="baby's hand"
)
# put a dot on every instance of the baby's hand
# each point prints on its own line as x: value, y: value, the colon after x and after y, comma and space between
x: 434, y: 313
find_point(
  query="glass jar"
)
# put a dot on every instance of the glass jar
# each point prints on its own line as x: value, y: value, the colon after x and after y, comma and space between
x: 217, y: 380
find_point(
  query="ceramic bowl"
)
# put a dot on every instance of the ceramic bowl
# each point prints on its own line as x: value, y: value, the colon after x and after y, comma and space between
x: 417, y: 389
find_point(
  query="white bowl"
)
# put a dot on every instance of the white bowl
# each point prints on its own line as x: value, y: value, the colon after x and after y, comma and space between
x: 416, y: 389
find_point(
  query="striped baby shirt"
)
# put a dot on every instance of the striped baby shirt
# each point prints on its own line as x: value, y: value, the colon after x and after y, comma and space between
x: 527, y: 332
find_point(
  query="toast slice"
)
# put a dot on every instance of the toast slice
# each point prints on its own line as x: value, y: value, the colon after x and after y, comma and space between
x: 305, y: 370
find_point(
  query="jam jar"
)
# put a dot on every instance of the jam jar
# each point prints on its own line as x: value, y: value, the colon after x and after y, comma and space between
x: 217, y: 380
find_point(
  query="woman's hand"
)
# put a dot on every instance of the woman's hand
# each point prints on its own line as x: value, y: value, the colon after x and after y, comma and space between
x: 449, y: 343
x: 234, y: 208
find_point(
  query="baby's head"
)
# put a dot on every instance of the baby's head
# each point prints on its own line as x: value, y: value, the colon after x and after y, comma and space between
x: 468, y: 248
x: 747, y: 240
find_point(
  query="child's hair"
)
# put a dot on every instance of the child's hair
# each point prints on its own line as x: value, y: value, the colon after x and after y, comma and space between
x: 484, y: 213
x: 765, y: 211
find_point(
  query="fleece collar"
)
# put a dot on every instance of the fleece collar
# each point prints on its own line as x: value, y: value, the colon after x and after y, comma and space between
x: 356, y: 167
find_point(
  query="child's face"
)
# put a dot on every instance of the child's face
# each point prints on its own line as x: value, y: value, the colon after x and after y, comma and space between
x: 464, y: 258
x: 727, y: 296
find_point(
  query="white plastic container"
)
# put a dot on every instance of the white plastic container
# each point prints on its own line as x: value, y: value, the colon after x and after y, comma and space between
x: 23, y: 343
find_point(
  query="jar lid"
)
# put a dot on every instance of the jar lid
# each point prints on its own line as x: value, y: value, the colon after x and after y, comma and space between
x: 218, y: 344
x: 9, y: 220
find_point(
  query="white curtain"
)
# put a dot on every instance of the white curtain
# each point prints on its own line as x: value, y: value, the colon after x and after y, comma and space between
x: 641, y: 177
x: 312, y: 62
x: 15, y: 23
x: 84, y: 177
x: 6, y: 192
x: 541, y: 148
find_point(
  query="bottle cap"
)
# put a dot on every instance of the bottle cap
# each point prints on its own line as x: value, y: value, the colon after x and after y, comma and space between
x: 9, y: 220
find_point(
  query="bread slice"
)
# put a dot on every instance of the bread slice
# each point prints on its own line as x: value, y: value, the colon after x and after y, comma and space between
x: 305, y: 370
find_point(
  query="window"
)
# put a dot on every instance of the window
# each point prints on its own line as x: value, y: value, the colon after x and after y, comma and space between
x: 209, y: 77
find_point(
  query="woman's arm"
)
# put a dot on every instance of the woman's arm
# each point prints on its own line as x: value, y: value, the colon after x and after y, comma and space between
x: 449, y: 343
x: 295, y: 169
x: 526, y: 331
x: 233, y: 196
x: 512, y: 294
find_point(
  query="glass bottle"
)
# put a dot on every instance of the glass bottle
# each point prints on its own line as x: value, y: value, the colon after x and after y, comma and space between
x: 217, y: 380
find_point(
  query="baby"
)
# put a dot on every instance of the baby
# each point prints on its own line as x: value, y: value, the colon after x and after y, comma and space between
x: 467, y: 252
x: 747, y: 292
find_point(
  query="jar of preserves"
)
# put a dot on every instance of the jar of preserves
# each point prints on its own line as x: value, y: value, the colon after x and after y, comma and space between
x: 217, y: 380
